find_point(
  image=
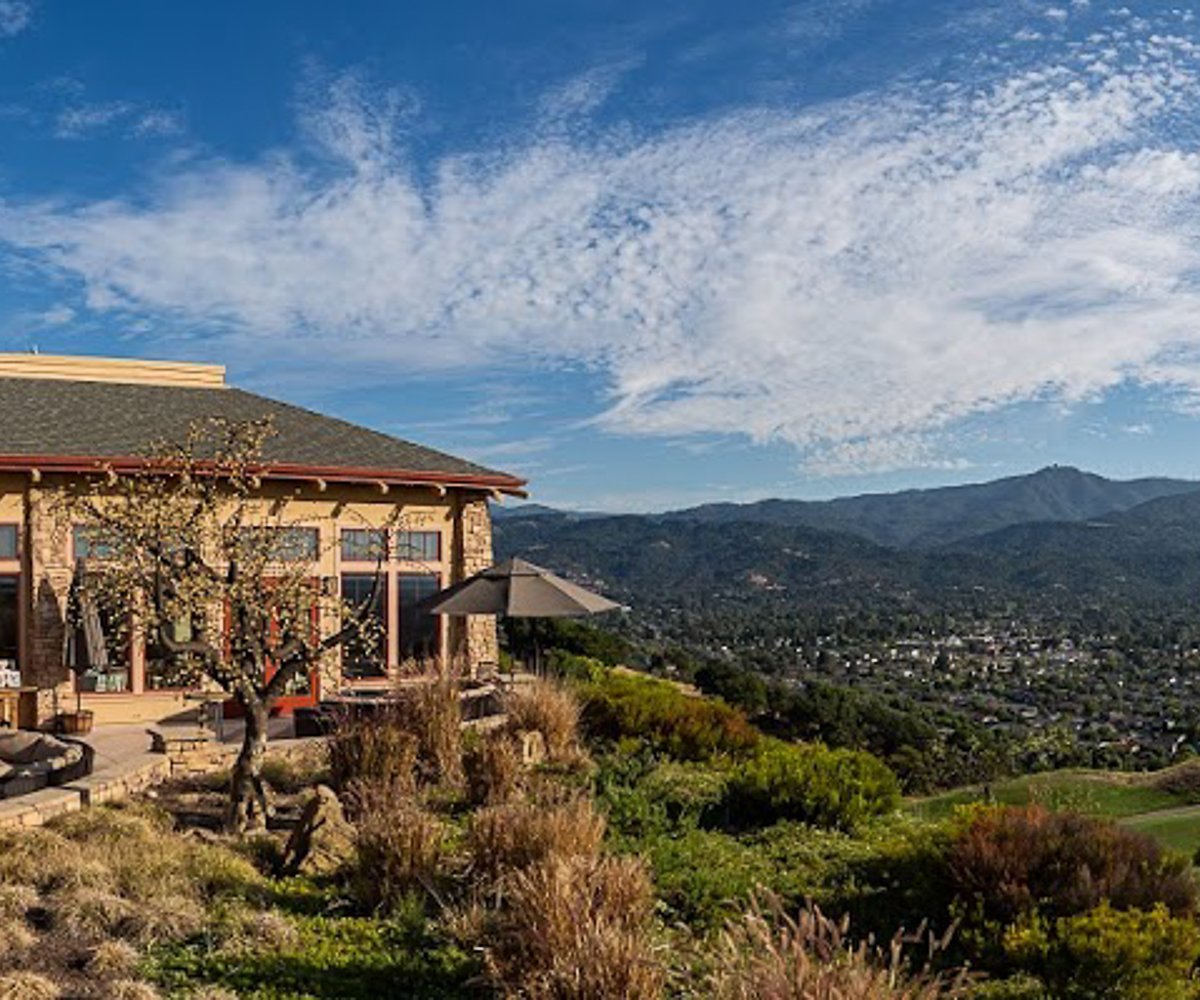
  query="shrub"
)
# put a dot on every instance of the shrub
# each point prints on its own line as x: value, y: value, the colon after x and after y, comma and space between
x: 27, y: 986
x: 18, y: 940
x: 1109, y: 954
x: 574, y: 928
x: 131, y: 989
x: 575, y: 667
x: 524, y: 833
x: 290, y: 775
x: 622, y: 704
x: 399, y: 847
x: 1008, y: 862
x: 1018, y: 987
x: 492, y: 765
x: 768, y: 953
x: 17, y: 900
x: 642, y: 796
x: 548, y: 708
x: 705, y: 877
x: 377, y: 750
x: 112, y: 959
x: 433, y: 712
x: 808, y: 782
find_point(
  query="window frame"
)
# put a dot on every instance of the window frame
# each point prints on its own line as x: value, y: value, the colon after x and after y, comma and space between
x: 383, y: 651
x: 402, y: 556
x: 381, y: 533
x: 437, y: 652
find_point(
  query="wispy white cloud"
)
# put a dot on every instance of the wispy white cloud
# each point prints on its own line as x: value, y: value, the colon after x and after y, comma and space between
x: 15, y: 17
x: 85, y: 119
x: 73, y: 113
x: 855, y: 279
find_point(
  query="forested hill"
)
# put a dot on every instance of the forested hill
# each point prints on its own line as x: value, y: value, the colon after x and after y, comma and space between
x: 1148, y: 553
x: 935, y: 517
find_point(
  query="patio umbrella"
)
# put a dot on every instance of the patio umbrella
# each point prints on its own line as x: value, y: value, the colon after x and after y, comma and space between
x: 518, y: 589
x: 83, y: 636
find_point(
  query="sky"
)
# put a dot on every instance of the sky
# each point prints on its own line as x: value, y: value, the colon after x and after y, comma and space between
x: 645, y: 253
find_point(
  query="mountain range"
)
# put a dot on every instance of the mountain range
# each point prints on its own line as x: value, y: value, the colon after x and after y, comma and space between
x: 1058, y: 531
x: 934, y: 517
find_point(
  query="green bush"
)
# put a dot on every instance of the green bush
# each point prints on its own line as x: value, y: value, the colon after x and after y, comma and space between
x: 705, y: 877
x: 619, y: 705
x: 1019, y: 987
x: 573, y: 667
x: 811, y: 783
x: 1109, y: 954
x: 644, y: 796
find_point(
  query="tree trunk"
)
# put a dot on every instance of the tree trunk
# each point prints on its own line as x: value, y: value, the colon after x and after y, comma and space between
x: 248, y: 808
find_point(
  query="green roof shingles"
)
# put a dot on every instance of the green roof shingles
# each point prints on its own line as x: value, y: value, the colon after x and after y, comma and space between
x: 60, y: 418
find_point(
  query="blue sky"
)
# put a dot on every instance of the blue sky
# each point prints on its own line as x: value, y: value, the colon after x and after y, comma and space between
x: 647, y: 254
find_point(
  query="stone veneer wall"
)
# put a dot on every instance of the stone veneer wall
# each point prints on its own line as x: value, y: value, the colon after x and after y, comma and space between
x: 47, y: 560
x: 474, y: 638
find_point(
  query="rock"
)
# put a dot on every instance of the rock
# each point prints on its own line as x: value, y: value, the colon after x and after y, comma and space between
x: 533, y: 746
x: 322, y: 841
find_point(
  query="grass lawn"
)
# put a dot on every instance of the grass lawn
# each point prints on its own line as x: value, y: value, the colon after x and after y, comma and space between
x: 1178, y: 829
x: 1098, y: 793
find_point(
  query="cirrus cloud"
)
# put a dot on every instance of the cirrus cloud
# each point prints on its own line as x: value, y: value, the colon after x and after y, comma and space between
x: 853, y: 279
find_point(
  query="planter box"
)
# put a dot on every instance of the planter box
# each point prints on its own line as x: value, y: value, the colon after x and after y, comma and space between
x: 75, y: 723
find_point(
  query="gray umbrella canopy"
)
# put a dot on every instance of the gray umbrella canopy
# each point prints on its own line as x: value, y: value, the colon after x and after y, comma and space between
x: 518, y: 589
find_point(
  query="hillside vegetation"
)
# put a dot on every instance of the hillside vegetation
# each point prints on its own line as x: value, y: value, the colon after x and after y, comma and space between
x: 664, y: 848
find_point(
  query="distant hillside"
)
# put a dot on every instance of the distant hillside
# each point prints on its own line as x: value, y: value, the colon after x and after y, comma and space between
x: 529, y: 511
x: 1143, y: 554
x: 935, y: 517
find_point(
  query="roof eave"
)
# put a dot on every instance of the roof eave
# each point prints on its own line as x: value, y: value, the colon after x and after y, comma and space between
x: 350, y: 475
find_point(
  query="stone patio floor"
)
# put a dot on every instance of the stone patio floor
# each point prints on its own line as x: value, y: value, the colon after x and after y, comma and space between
x: 124, y: 764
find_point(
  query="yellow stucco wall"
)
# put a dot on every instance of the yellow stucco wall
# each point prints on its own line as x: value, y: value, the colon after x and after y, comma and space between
x: 48, y: 565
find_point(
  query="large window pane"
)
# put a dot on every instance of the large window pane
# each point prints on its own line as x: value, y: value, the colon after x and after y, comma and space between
x: 89, y: 542
x: 363, y: 656
x: 10, y: 618
x: 419, y: 630
x: 363, y: 544
x: 283, y: 544
x: 419, y: 546
x: 8, y: 541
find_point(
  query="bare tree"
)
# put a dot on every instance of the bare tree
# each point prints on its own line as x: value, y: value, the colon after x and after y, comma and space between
x: 189, y: 554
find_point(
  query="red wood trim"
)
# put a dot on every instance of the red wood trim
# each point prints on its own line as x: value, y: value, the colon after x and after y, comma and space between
x: 273, y: 470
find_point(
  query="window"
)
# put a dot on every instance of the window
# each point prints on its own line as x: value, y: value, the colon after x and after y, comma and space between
x: 363, y: 544
x: 10, y: 621
x: 89, y: 542
x: 419, y: 631
x: 419, y: 546
x: 366, y: 656
x: 8, y: 541
x: 285, y: 544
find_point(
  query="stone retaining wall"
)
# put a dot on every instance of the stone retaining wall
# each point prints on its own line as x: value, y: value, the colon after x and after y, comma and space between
x: 174, y: 756
x: 114, y: 784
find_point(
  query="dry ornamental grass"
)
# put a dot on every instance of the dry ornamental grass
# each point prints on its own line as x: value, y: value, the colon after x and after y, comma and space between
x: 493, y: 769
x: 400, y: 847
x: 770, y: 955
x: 577, y: 928
x: 548, y: 708
x: 523, y: 833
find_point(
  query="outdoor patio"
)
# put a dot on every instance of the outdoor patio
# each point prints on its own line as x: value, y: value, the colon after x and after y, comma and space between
x: 127, y: 761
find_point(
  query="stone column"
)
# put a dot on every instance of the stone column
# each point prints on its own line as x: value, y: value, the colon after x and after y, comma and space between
x: 48, y: 559
x: 475, y: 639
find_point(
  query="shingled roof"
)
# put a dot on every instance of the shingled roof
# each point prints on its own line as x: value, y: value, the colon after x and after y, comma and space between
x: 59, y: 422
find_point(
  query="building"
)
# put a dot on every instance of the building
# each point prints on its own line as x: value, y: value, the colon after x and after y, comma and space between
x: 63, y: 418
